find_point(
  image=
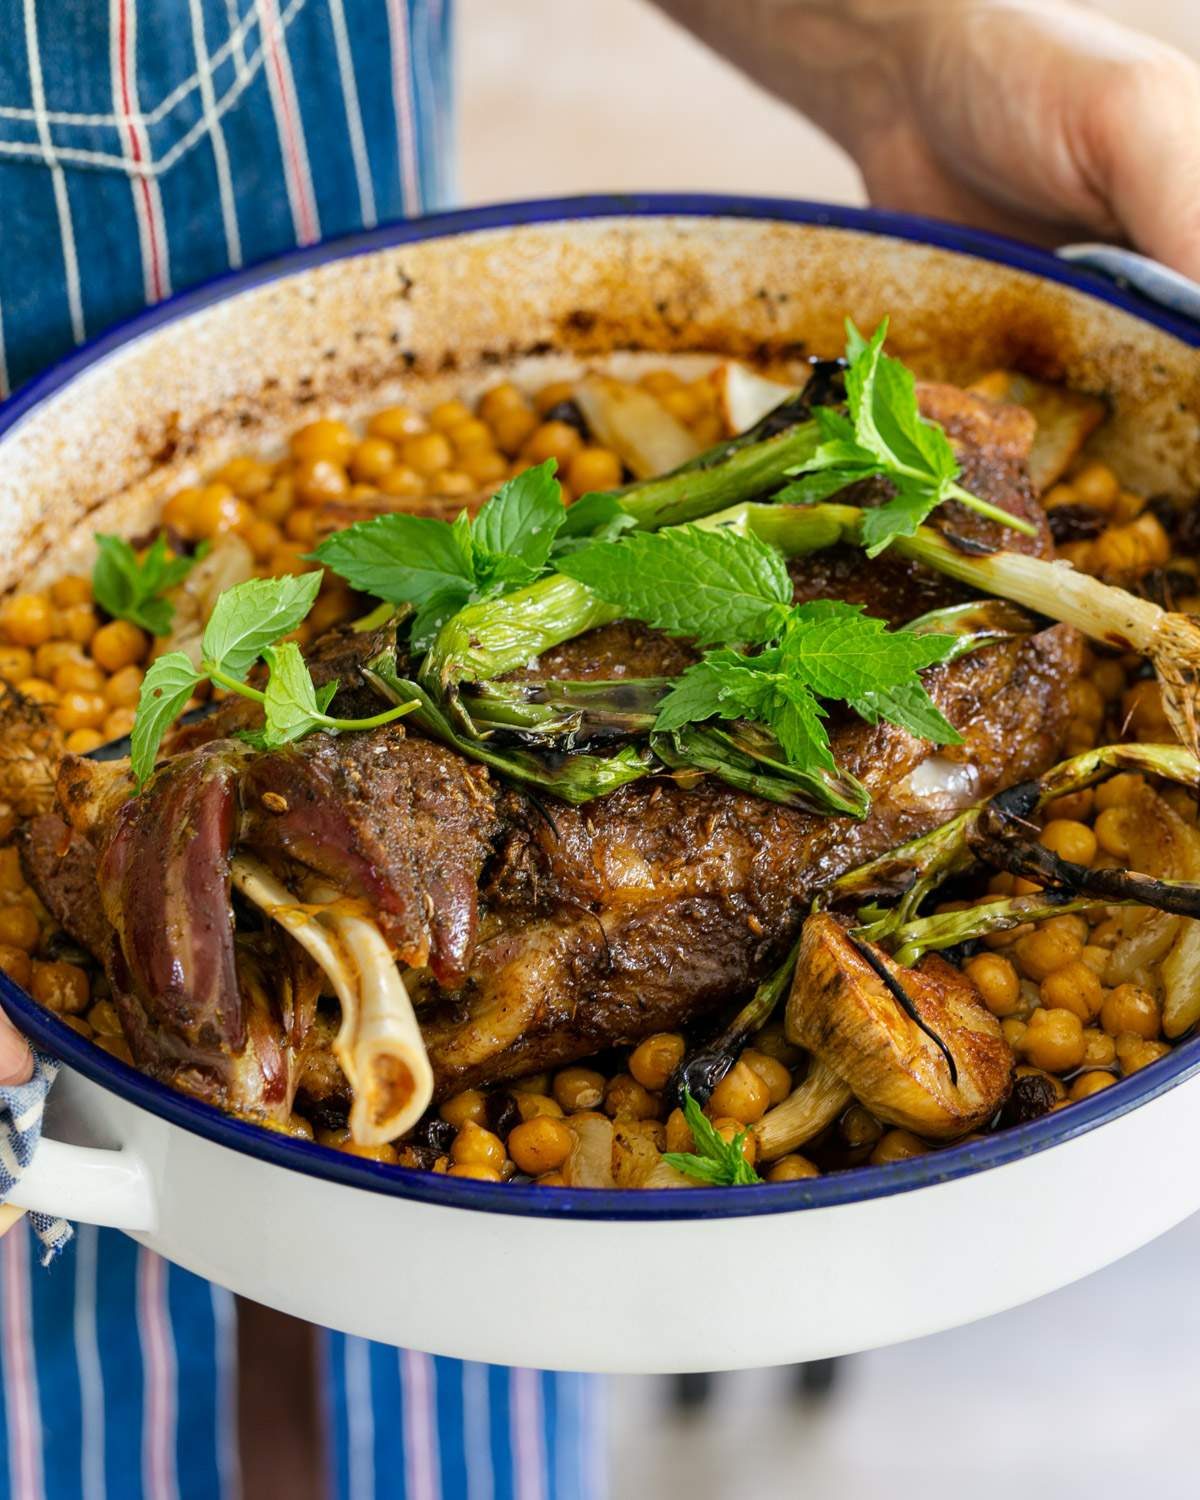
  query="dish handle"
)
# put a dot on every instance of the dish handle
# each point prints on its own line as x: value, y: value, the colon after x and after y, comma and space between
x: 112, y: 1189
x: 1156, y: 282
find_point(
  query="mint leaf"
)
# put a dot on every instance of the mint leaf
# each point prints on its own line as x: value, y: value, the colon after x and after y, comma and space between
x: 882, y: 395
x: 400, y: 558
x: 290, y: 701
x: 715, y: 1160
x: 911, y: 707
x: 796, y: 717
x: 594, y: 517
x: 522, y: 518
x: 132, y: 588
x: 253, y: 615
x: 818, y: 486
x: 713, y: 585
x: 900, y: 516
x: 839, y: 652
x: 708, y: 690
x: 434, y: 613
x: 166, y: 687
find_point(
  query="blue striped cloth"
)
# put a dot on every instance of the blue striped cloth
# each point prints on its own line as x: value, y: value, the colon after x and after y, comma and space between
x: 146, y: 145
x: 20, y: 1130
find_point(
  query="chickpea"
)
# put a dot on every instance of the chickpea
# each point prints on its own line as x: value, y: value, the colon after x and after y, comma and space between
x: 1069, y: 840
x: 626, y: 1099
x: 319, y: 481
x: 1099, y: 1049
x: 78, y: 623
x: 118, y: 723
x: 395, y: 423
x: 773, y: 1073
x: 470, y: 1105
x: 16, y: 662
x: 274, y: 504
x: 512, y: 429
x: 428, y: 453
x: 683, y: 404
x: 553, y: 394
x: 286, y: 558
x: 27, y: 620
x: 123, y: 688
x: 54, y: 654
x: 792, y: 1168
x: 61, y: 986
x: 71, y: 588
x: 325, y: 440
x: 1109, y: 677
x: 1142, y: 706
x: 247, y: 477
x: 448, y: 414
x: 579, y: 1088
x: 179, y: 511
x: 859, y: 1127
x: 996, y: 980
x: 1053, y: 1040
x: 103, y: 1019
x: 476, y: 1147
x: 119, y: 644
x: 116, y: 1046
x: 471, y: 435
x: 81, y: 711
x: 1118, y: 790
x: 301, y: 527
x: 79, y: 676
x: 1130, y: 1009
x: 501, y: 398
x: 1096, y: 958
x: 1096, y: 484
x: 384, y: 1152
x: 1074, y: 987
x: 1091, y: 1083
x: 557, y: 440
x: 262, y: 537
x: 1135, y: 1053
x: 897, y: 1145
x: 17, y: 964
x: 484, y: 466
x: 594, y: 469
x: 679, y: 1132
x: 551, y: 1179
x: 654, y: 1060
x: 740, y: 1095
x: 11, y: 878
x: 77, y: 1024
x: 532, y: 1083
x: 451, y: 482
x: 773, y: 1043
x: 1054, y: 943
x: 217, y: 510
x: 729, y: 1130
x: 38, y: 690
x: 372, y: 458
x: 19, y: 927
x: 84, y: 741
x: 335, y: 1137
x: 402, y: 481
x: 540, y: 1145
x: 476, y: 1170
x: 659, y: 382
x: 1060, y: 494
x: 534, y: 1106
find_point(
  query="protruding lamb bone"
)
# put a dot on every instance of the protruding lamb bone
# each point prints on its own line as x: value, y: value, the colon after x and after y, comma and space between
x: 379, y: 1044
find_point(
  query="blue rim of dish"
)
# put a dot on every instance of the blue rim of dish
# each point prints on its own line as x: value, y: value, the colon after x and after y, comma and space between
x: 852, y: 1186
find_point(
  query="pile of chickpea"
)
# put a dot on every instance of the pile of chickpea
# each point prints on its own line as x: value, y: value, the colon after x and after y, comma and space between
x: 1045, y: 981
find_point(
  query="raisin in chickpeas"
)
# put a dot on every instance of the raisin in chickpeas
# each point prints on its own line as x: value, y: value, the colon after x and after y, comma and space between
x: 792, y: 1168
x: 1074, y: 987
x: 579, y: 1088
x: 1130, y: 1009
x: 476, y: 1147
x: 540, y: 1145
x: 773, y: 1073
x: 626, y: 1099
x: 740, y: 1095
x: 654, y: 1060
x: 997, y: 982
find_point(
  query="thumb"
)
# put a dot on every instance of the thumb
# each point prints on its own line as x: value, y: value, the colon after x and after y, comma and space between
x: 1146, y: 154
x: 16, y: 1060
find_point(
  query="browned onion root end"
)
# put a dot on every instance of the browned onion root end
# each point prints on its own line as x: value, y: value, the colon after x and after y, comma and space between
x: 1175, y: 652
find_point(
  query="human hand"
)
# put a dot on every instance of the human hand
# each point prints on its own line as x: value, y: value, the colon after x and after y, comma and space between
x: 16, y: 1060
x: 1036, y: 117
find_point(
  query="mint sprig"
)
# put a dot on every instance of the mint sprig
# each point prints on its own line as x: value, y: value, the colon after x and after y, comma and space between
x: 247, y: 624
x: 440, y: 566
x: 720, y: 587
x: 885, y: 436
x: 134, y: 588
x: 715, y: 1161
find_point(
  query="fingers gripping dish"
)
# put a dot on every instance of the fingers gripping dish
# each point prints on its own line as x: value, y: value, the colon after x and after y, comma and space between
x: 605, y: 783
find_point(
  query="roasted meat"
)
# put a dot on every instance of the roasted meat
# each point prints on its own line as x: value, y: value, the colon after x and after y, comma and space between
x: 530, y: 932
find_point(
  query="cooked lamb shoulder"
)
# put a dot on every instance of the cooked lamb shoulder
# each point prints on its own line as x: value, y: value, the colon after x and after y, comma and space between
x: 535, y: 932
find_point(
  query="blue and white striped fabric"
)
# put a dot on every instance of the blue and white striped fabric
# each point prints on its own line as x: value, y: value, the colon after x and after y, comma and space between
x: 20, y: 1130
x: 146, y: 145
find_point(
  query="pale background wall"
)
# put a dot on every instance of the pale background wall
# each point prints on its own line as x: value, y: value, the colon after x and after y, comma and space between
x: 561, y: 96
x: 1094, y: 1391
